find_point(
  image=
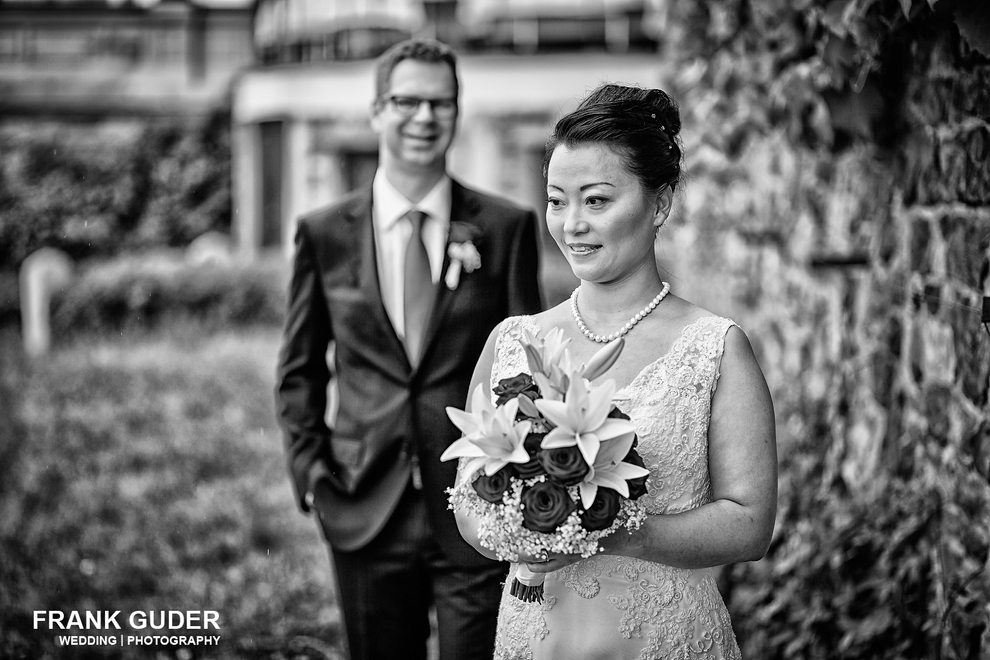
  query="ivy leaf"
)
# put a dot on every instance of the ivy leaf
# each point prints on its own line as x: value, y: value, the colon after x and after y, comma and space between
x: 841, y: 54
x: 837, y: 14
x: 906, y: 7
x: 853, y: 113
x: 973, y: 20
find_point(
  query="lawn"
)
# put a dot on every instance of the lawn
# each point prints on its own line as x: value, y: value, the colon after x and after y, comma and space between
x: 147, y: 474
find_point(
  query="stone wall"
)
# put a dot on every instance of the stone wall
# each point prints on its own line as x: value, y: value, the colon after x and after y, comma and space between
x: 858, y: 274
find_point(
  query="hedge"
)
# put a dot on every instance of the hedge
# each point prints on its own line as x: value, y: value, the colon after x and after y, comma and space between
x: 154, y: 291
x: 94, y: 191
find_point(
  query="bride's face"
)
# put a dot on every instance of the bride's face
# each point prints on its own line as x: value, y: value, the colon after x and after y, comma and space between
x: 599, y: 214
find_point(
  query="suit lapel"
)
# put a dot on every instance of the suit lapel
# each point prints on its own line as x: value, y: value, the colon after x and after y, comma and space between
x: 367, y: 273
x: 462, y: 209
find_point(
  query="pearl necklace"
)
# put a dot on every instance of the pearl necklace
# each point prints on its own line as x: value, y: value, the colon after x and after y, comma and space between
x: 604, y: 339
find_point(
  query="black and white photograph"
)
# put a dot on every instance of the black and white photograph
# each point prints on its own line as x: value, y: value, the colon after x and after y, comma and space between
x: 495, y: 329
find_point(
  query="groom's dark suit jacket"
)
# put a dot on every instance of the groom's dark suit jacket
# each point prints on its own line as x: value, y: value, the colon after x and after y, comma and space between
x: 389, y: 411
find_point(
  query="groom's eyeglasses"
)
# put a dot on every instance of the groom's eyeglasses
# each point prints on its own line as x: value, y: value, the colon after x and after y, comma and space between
x: 407, y: 106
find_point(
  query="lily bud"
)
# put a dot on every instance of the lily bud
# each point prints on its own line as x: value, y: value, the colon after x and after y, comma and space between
x: 601, y: 361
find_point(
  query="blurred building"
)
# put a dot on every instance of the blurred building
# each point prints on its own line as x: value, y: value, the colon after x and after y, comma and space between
x: 296, y: 77
x: 81, y: 60
x: 300, y: 115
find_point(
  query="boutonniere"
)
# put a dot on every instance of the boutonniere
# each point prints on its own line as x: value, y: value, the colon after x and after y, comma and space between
x: 462, y: 252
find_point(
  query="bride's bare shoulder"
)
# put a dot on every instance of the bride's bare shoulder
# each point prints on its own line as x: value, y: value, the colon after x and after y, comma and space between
x: 681, y: 313
x: 554, y: 317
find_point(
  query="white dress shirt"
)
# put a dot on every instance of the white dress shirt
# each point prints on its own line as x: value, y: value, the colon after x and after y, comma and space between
x: 392, y: 232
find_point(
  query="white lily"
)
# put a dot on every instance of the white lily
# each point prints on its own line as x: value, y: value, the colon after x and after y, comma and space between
x: 542, y: 352
x: 602, y: 360
x: 492, y: 436
x: 549, y: 361
x: 610, y: 470
x: 582, y: 418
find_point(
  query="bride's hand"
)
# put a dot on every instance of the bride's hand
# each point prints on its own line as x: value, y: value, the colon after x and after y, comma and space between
x: 623, y: 543
x: 548, y: 563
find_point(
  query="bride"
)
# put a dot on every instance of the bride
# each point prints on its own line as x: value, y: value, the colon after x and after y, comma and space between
x: 687, y: 378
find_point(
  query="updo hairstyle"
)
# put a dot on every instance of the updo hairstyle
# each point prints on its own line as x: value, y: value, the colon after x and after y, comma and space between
x: 640, y: 125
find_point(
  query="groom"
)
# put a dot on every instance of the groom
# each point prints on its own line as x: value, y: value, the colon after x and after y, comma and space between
x: 405, y: 279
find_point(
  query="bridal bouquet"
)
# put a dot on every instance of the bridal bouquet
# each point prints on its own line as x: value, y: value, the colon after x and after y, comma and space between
x: 551, y: 465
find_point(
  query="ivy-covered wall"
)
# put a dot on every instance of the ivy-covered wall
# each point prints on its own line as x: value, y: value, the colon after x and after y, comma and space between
x: 838, y: 207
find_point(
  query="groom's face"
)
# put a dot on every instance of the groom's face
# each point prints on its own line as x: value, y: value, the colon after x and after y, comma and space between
x: 416, y: 140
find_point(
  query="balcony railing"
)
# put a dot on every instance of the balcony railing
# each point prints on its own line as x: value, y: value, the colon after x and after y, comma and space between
x: 309, y: 30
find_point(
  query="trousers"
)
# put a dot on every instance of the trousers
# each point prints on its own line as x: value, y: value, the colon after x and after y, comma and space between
x: 386, y: 590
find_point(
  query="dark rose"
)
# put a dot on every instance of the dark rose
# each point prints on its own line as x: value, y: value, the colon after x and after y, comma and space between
x: 615, y: 413
x: 546, y: 506
x: 510, y: 388
x: 637, y: 486
x: 564, y: 465
x: 603, y: 510
x: 534, y: 468
x: 491, y: 488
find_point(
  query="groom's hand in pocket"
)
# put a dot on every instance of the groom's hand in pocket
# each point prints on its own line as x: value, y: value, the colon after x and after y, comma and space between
x: 317, y: 498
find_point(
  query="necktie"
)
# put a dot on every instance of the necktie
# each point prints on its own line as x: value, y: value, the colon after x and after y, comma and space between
x: 418, y: 289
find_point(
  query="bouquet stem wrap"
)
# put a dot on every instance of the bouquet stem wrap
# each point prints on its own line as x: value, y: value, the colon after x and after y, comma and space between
x: 527, y: 586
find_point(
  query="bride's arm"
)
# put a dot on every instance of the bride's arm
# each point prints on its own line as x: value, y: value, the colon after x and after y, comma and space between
x: 742, y: 456
x: 467, y: 524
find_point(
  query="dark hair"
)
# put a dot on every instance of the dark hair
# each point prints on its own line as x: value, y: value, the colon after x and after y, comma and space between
x: 422, y: 50
x: 641, y: 125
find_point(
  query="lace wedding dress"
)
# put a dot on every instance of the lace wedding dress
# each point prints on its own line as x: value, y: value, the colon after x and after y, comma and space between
x: 618, y: 607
